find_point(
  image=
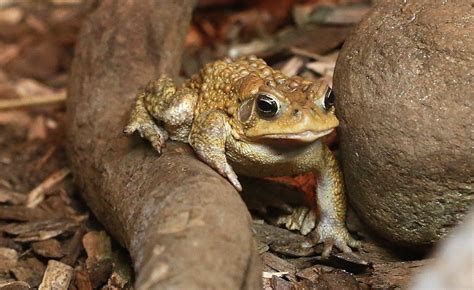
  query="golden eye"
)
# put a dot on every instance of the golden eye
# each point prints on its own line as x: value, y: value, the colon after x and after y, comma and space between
x: 329, y: 99
x: 267, y: 107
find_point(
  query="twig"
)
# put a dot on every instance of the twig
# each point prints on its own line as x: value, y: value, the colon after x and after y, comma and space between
x: 12, y: 104
x: 45, y: 157
x: 36, y: 196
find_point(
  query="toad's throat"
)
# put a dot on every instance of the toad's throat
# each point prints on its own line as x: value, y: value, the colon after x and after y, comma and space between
x: 306, y: 136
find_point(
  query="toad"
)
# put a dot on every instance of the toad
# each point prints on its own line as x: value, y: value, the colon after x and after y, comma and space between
x: 243, y: 117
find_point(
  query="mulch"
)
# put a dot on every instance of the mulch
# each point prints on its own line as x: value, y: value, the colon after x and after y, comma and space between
x: 47, y: 233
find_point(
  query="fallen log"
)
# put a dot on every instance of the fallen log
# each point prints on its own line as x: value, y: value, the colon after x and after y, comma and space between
x: 184, y: 225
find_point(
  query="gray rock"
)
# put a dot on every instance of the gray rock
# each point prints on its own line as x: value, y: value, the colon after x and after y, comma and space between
x: 405, y: 93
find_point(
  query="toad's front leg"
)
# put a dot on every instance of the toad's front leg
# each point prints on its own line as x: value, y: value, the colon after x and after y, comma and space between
x: 331, y: 201
x: 208, y: 138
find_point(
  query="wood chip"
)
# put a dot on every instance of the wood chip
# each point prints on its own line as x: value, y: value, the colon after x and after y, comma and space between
x: 271, y: 274
x: 21, y: 213
x: 393, y: 275
x: 50, y: 248
x: 37, y: 195
x: 57, y: 276
x: 14, y: 285
x: 8, y: 258
x: 98, y: 246
x: 30, y: 270
x: 99, y: 256
x: 262, y: 247
x: 99, y: 272
x: 40, y: 230
x: 329, y: 278
x: 285, y: 242
x: 329, y: 14
x: 312, y: 273
x: 37, y: 129
x: 11, y: 197
x: 350, y: 262
x: 42, y: 161
x: 279, y: 265
x: 122, y: 275
x: 82, y: 280
x: 293, y: 66
x: 74, y: 247
x: 11, y: 15
x: 9, y: 243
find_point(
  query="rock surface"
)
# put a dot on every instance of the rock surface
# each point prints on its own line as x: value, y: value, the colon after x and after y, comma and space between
x: 404, y: 86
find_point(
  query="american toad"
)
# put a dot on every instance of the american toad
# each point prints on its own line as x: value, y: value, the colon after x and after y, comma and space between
x: 241, y: 116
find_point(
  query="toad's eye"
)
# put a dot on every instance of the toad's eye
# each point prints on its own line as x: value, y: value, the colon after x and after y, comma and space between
x: 267, y: 107
x: 329, y: 99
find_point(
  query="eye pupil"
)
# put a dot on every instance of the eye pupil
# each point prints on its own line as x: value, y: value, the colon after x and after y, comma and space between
x: 329, y: 99
x: 267, y: 106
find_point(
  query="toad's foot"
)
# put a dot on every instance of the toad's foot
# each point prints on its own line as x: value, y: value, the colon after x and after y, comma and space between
x: 149, y: 130
x: 218, y: 162
x: 302, y: 219
x: 332, y: 233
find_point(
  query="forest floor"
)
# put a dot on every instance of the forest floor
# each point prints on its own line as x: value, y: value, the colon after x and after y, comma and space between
x: 44, y: 223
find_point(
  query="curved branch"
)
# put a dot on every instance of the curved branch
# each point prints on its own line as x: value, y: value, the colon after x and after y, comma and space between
x: 184, y: 225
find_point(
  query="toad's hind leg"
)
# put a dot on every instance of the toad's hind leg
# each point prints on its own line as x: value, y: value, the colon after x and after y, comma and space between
x: 170, y: 106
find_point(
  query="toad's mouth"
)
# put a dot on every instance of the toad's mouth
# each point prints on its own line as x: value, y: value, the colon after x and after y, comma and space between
x: 306, y: 136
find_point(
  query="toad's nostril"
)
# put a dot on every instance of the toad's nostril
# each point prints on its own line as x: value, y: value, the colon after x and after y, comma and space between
x: 296, y: 113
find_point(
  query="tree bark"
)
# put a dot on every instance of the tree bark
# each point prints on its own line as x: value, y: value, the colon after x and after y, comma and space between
x: 184, y: 225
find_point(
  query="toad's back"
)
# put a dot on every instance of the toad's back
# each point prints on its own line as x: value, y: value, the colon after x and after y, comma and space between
x: 218, y: 83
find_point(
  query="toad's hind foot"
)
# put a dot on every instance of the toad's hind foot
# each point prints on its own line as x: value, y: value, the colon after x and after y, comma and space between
x: 150, y: 131
x: 141, y: 121
x: 334, y: 234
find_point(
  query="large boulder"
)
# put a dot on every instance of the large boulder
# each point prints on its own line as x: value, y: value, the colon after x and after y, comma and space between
x: 404, y: 86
